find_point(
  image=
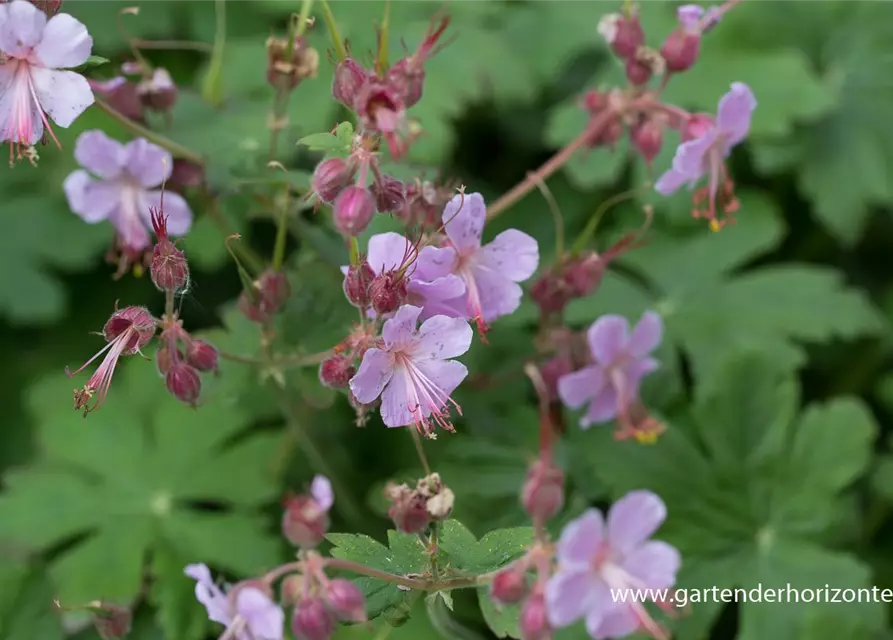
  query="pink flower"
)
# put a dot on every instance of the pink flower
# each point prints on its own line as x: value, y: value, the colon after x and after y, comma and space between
x: 33, y: 84
x: 491, y: 273
x: 411, y: 370
x: 610, y: 385
x: 595, y: 559
x: 123, y: 191
x: 706, y: 154
x: 246, y: 610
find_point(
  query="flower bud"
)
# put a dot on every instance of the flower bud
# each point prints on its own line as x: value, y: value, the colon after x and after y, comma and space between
x: 552, y: 370
x: 168, y: 269
x: 111, y: 621
x: 697, y: 125
x: 186, y: 175
x: 271, y: 292
x: 550, y: 294
x: 158, y: 93
x: 312, y: 621
x: 164, y: 359
x: 595, y: 101
x: 305, y: 522
x: 356, y: 284
x: 387, y: 292
x: 336, y: 372
x: 623, y: 33
x: 609, y: 134
x: 681, y: 49
x: 284, y: 72
x: 408, y: 509
x: 122, y: 96
x: 330, y: 177
x: 345, y: 600
x: 390, y: 194
x: 184, y: 383
x: 583, y: 275
x: 353, y: 210
x: 638, y: 71
x: 135, y: 319
x: 292, y: 589
x: 509, y: 586
x: 202, y: 355
x: 648, y: 138
x: 349, y: 78
x: 407, y: 79
x: 542, y: 495
x: 534, y: 622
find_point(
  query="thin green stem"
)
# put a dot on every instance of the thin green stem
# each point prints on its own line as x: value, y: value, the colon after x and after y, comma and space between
x: 354, y: 250
x: 589, y: 230
x: 412, y: 583
x: 334, y: 33
x: 420, y: 450
x: 177, y: 150
x: 212, y: 89
x: 281, y: 236
x: 303, y: 20
x: 254, y: 261
x: 384, y: 35
x: 285, y: 361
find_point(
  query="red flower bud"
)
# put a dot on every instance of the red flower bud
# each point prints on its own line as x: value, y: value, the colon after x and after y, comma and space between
x: 137, y: 319
x: 681, y: 49
x: 648, y: 138
x: 387, y: 292
x: 594, y: 101
x: 121, y: 95
x: 345, y: 600
x: 534, y: 622
x: 627, y: 35
x: 407, y: 79
x: 349, y: 78
x: 638, y: 71
x: 583, y: 275
x: 336, y: 372
x: 353, y: 210
x: 202, y: 355
x: 696, y: 126
x: 186, y: 175
x: 609, y: 134
x: 292, y: 589
x: 390, y: 194
x: 111, y: 621
x: 271, y: 292
x: 168, y: 267
x: 542, y: 495
x: 552, y: 370
x: 158, y: 93
x: 304, y: 523
x: 550, y: 294
x: 509, y: 586
x: 330, y: 177
x: 164, y: 359
x: 184, y: 383
x: 356, y: 284
x: 408, y: 509
x: 312, y: 621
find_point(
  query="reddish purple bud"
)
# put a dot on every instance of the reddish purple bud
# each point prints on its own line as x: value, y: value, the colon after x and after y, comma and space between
x: 638, y: 71
x: 330, y: 177
x: 610, y: 133
x: 552, y: 370
x: 184, y: 383
x: 345, y: 600
x: 390, y: 194
x: 387, y: 292
x: 356, y: 284
x: 624, y: 34
x: 270, y: 293
x: 408, y: 509
x: 697, y: 125
x: 138, y: 320
x: 542, y: 495
x: 312, y: 621
x: 304, y: 522
x: 202, y: 355
x: 122, y: 96
x: 165, y: 359
x: 648, y: 138
x: 594, y: 101
x: 353, y: 210
x: 111, y: 621
x: 158, y: 93
x: 408, y: 79
x: 349, y: 78
x: 681, y: 49
x: 292, y: 589
x: 550, y: 294
x: 509, y: 586
x: 336, y: 372
x: 583, y: 275
x: 186, y: 175
x: 534, y: 622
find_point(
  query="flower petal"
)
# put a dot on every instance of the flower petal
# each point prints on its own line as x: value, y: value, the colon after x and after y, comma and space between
x: 619, y: 622
x: 438, y: 297
x: 581, y: 540
x: 635, y: 372
x: 607, y: 338
x: 132, y: 232
x: 100, y: 154
x: 569, y: 595
x: 498, y: 295
x: 321, y: 490
x: 65, y: 43
x: 148, y: 163
x: 64, y: 95
x: 179, y: 215
x: 263, y: 617
x: 633, y: 519
x: 463, y: 217
x: 690, y: 156
x: 512, y: 253
x: 387, y: 251
x: 602, y: 408
x: 21, y: 25
x: 402, y: 327
x: 92, y: 200
x: 576, y: 388
x: 654, y: 563
x: 375, y: 371
x: 445, y: 376
x: 396, y: 404
x: 670, y: 182
x: 20, y: 119
x: 209, y: 594
x: 442, y: 337
x: 689, y: 14
x: 734, y: 113
x: 435, y: 262
x: 646, y: 335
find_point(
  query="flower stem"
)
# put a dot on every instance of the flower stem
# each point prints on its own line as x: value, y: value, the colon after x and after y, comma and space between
x: 287, y: 361
x: 334, y: 33
x: 420, y: 450
x: 412, y: 583
x: 552, y: 165
x: 176, y: 150
x: 212, y: 85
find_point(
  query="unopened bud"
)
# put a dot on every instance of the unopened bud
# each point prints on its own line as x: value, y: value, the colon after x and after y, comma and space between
x: 681, y: 49
x: 408, y: 509
x: 168, y: 269
x: 349, y: 78
x: 542, y: 495
x: 202, y: 355
x: 356, y: 284
x: 697, y: 125
x: 336, y: 372
x: 292, y: 589
x: 408, y: 79
x: 122, y: 96
x: 284, y: 72
x: 312, y: 621
x: 330, y: 177
x: 594, y: 101
x: 552, y: 370
x: 305, y: 522
x: 184, y: 383
x: 509, y: 586
x: 158, y: 93
x: 111, y: 621
x: 345, y: 600
x: 550, y: 294
x: 186, y: 175
x: 164, y: 359
x: 583, y: 275
x: 638, y: 71
x: 353, y: 210
x: 610, y: 133
x: 534, y: 622
x: 387, y: 292
x: 623, y: 33
x: 270, y: 292
x: 390, y: 194
x: 135, y: 319
x: 648, y: 138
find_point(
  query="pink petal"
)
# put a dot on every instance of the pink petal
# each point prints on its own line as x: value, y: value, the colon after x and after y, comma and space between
x: 441, y: 337
x: 607, y: 338
x: 463, y: 218
x: 408, y: 398
x: 689, y: 158
x: 20, y: 119
x: 512, y: 253
x: 64, y: 95
x: 734, y: 113
x: 65, y: 43
x: 435, y: 262
x: 375, y: 371
x: 387, y: 251
x: 688, y: 15
x: 21, y: 25
x: 633, y: 519
x: 400, y: 330
x: 263, y: 617
x: 498, y: 295
x: 147, y: 162
x: 100, y: 154
x: 654, y: 563
x: 209, y: 594
x: 619, y: 622
x: 670, y: 182
x: 569, y: 595
x: 602, y: 408
x: 92, y: 200
x: 179, y: 215
x: 636, y: 371
x: 438, y: 296
x: 576, y: 388
x: 397, y: 400
x: 131, y: 229
x: 321, y: 490
x: 580, y: 541
x: 444, y: 375
x: 646, y: 335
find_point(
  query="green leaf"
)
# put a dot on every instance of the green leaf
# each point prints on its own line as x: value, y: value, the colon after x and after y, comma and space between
x: 172, y: 594
x: 503, y: 621
x: 92, y: 61
x: 338, y: 143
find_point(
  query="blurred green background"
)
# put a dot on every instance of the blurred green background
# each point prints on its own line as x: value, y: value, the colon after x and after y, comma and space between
x: 775, y: 384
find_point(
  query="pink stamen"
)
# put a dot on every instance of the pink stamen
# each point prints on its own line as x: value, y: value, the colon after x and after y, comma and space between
x: 424, y: 392
x: 100, y: 381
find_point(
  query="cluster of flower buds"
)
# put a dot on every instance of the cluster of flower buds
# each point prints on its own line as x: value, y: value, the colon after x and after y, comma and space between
x: 512, y: 585
x: 288, y: 64
x: 413, y: 509
x: 181, y: 359
x: 305, y: 520
x: 168, y: 267
x: 320, y: 603
x: 266, y: 296
x: 139, y: 88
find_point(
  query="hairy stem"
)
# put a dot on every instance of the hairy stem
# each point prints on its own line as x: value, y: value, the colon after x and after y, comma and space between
x: 420, y: 450
x: 412, y: 583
